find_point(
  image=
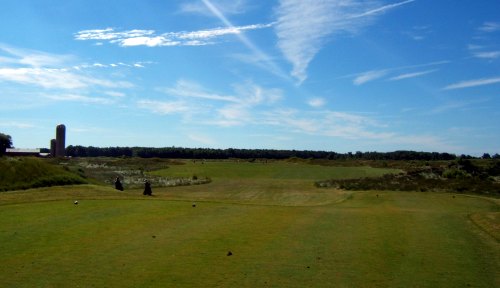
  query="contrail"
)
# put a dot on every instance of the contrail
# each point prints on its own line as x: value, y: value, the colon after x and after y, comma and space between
x: 270, y: 65
x: 382, y: 9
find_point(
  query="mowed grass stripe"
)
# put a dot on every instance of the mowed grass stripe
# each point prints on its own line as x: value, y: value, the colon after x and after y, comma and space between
x: 256, y: 192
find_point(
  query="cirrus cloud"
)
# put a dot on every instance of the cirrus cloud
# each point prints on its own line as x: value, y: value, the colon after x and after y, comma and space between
x: 489, y: 27
x: 137, y: 37
x: 472, y: 83
x: 303, y: 28
x: 50, y: 71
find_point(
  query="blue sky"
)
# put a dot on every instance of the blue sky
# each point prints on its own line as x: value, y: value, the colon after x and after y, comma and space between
x: 336, y: 75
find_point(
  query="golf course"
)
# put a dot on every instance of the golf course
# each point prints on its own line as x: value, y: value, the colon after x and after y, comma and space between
x: 252, y: 225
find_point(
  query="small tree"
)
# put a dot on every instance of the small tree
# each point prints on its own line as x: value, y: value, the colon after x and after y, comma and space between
x: 486, y: 156
x: 5, y: 142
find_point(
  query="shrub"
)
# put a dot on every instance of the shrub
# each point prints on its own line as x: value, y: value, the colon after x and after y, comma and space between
x: 414, y: 182
x: 453, y: 173
x: 57, y: 180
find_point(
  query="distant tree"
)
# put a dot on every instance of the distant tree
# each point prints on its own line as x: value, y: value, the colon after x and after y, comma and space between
x: 209, y: 153
x: 496, y: 156
x: 486, y: 156
x: 5, y: 142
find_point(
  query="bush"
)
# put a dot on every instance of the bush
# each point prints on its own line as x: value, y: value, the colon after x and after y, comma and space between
x: 415, y: 182
x: 455, y: 174
x: 57, y: 180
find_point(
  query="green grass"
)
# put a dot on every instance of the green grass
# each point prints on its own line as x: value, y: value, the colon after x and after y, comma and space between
x: 271, y: 170
x: 30, y: 172
x: 281, y: 230
x: 394, y: 240
x: 273, y: 183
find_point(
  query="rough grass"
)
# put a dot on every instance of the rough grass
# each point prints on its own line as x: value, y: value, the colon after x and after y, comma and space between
x: 30, y: 172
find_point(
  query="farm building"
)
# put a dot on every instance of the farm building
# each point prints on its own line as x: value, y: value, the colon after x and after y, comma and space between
x: 22, y: 152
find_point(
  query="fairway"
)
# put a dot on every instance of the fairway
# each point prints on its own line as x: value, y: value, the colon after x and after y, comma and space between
x: 272, y: 170
x: 273, y: 183
x: 365, y: 239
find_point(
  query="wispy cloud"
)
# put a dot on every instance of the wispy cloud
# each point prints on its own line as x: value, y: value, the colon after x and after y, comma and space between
x: 490, y: 27
x: 460, y: 105
x: 111, y: 34
x: 252, y: 94
x: 141, y: 64
x: 46, y: 78
x: 33, y: 58
x: 474, y: 47
x: 304, y: 27
x: 149, y: 38
x: 246, y: 93
x: 186, y: 88
x: 80, y: 98
x: 56, y: 78
x: 487, y: 49
x: 369, y: 76
x: 257, y: 105
x: 487, y: 54
x: 352, y: 126
x: 165, y: 107
x: 316, y: 102
x: 326, y: 123
x: 412, y: 75
x: 115, y: 94
x: 473, y: 83
x: 49, y: 71
x: 260, y: 106
x: 195, y: 101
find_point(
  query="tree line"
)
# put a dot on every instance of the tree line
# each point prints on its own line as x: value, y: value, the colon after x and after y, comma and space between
x: 209, y: 153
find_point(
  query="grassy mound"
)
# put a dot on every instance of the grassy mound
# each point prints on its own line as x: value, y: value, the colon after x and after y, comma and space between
x: 26, y: 172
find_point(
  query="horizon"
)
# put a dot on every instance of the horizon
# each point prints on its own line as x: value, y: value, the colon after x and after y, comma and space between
x: 382, y: 75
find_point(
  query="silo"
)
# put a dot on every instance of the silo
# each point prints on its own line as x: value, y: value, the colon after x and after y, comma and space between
x: 53, y: 147
x: 60, y: 140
